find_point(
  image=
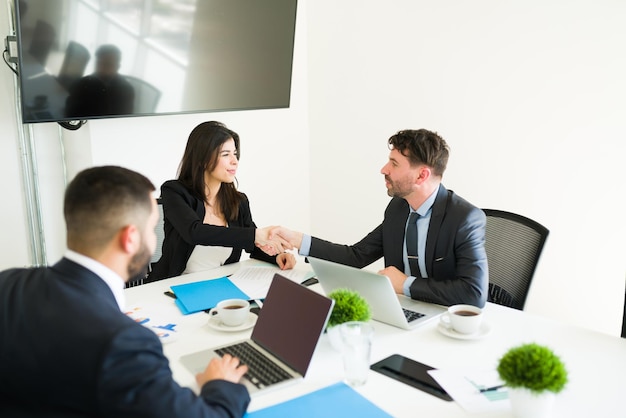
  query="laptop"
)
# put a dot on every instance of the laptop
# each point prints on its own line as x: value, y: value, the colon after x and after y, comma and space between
x: 385, y: 304
x: 283, y: 340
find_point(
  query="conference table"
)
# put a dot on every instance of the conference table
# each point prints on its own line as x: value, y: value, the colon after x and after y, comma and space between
x: 596, y: 362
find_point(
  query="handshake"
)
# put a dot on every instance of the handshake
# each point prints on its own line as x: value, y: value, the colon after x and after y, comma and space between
x: 275, y: 240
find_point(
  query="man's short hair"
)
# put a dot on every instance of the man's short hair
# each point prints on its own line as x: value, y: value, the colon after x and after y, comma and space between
x: 109, y: 49
x: 422, y: 146
x: 100, y: 201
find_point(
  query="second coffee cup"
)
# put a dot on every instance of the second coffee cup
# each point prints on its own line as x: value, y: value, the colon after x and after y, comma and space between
x: 232, y: 312
x: 464, y: 319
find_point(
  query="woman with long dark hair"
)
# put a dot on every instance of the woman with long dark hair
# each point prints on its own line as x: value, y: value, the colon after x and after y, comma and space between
x: 207, y: 221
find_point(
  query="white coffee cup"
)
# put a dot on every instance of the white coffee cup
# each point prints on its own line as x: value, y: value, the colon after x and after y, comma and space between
x: 232, y: 312
x: 464, y: 319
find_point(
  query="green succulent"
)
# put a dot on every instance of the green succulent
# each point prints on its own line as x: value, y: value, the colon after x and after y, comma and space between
x: 534, y: 367
x: 349, y: 306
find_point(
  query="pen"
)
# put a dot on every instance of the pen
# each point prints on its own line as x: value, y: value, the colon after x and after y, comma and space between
x: 491, y: 388
x: 170, y: 294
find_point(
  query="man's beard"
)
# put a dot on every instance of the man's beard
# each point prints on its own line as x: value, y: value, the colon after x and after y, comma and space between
x: 138, y: 266
x: 400, y: 188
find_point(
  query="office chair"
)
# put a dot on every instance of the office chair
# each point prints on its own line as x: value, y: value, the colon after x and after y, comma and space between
x: 146, y: 95
x: 513, y: 244
x: 160, y: 235
x: 74, y: 63
x: 624, y: 320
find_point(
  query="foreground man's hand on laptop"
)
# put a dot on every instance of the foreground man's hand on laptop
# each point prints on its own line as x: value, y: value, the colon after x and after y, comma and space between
x: 225, y: 368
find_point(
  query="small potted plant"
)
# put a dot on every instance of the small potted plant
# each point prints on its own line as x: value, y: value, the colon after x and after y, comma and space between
x: 349, y: 306
x: 534, y: 375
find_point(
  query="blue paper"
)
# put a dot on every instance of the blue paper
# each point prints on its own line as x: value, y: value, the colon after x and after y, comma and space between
x: 198, y: 296
x: 338, y: 400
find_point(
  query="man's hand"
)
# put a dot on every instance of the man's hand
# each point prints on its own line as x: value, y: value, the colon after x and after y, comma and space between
x: 272, y: 245
x: 397, y: 278
x: 225, y: 368
x: 292, y: 237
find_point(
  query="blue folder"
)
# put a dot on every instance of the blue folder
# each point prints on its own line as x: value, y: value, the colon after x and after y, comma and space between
x: 338, y: 400
x: 199, y: 296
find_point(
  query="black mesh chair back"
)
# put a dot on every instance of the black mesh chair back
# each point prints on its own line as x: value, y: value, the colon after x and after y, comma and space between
x: 75, y: 62
x: 513, y: 243
x: 160, y: 235
x: 146, y: 96
x: 624, y: 320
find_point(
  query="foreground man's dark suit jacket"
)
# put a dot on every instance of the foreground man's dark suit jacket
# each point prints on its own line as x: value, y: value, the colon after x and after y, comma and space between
x: 66, y: 350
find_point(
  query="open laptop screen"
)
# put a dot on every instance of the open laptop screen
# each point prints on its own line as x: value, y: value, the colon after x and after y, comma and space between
x: 291, y: 322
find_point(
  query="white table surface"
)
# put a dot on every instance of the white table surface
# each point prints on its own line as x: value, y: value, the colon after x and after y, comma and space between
x: 596, y: 362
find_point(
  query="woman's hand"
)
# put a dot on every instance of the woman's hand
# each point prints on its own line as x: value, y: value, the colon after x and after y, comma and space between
x: 293, y: 238
x: 285, y: 261
x: 272, y: 246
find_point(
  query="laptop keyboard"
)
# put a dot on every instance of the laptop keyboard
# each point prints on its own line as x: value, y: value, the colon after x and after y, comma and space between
x: 261, y: 370
x: 412, y: 315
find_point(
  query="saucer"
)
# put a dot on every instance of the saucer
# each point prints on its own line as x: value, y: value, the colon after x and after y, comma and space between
x: 482, y: 332
x: 216, y: 323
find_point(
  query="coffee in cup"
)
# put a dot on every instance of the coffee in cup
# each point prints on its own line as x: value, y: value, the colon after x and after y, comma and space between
x: 464, y: 319
x: 232, y: 312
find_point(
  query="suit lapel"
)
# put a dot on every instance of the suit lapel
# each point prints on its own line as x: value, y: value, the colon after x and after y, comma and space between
x: 436, y: 219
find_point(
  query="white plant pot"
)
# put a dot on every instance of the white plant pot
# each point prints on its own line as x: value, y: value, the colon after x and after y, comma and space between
x: 527, y: 404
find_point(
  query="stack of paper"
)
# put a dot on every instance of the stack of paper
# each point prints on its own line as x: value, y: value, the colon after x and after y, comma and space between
x: 255, y: 281
x: 464, y: 386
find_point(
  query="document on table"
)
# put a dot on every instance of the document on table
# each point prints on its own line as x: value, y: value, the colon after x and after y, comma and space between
x: 255, y: 281
x: 464, y: 386
x: 163, y: 327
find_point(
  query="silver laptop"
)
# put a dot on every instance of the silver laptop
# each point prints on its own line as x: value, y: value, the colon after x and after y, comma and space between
x: 385, y: 304
x: 283, y: 340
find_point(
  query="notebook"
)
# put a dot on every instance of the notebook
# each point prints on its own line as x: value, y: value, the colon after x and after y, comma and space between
x: 283, y: 340
x: 385, y: 304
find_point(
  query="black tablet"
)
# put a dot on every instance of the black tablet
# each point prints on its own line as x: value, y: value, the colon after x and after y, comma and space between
x: 411, y: 372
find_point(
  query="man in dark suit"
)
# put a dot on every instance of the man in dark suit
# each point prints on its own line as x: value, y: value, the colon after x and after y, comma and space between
x: 105, y: 92
x: 449, y: 250
x: 66, y: 348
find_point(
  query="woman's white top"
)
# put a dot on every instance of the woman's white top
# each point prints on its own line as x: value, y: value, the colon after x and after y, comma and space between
x: 205, y: 257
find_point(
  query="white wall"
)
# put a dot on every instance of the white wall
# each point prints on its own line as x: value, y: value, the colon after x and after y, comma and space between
x: 14, y: 244
x: 530, y: 96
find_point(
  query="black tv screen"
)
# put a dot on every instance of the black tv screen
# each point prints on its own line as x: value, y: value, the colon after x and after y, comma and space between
x: 88, y: 59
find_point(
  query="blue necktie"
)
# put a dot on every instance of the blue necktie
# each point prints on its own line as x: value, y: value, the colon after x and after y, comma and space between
x: 411, y: 244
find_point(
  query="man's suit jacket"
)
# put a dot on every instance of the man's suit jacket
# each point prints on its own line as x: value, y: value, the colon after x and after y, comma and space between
x: 184, y: 229
x: 66, y: 350
x: 456, y: 261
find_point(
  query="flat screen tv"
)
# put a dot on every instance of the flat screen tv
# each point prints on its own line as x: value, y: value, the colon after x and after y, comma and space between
x: 93, y: 59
